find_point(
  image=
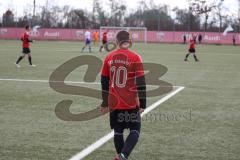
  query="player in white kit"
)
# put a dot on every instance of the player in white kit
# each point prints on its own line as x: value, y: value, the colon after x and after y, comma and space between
x: 87, y: 36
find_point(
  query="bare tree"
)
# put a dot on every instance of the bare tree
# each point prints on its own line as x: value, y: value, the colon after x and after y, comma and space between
x: 34, y: 8
x: 186, y: 20
x: 201, y: 7
x: 238, y: 15
x: 98, y: 14
x: 118, y: 9
x: 219, y: 9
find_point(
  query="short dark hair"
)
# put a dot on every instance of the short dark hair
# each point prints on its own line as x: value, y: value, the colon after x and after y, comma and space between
x: 123, y: 36
x: 27, y: 27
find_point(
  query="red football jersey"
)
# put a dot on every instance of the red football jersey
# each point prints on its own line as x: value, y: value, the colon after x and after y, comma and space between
x: 25, y: 40
x: 104, y: 38
x: 122, y: 67
x: 192, y: 44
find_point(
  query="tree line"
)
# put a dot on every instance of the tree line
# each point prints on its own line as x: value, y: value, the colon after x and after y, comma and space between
x: 199, y: 16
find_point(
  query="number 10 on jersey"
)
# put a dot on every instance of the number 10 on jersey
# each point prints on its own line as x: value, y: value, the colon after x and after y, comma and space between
x: 119, y: 76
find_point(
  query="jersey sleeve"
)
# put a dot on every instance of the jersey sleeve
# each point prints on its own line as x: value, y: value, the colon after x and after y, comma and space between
x: 139, y: 71
x: 105, y: 68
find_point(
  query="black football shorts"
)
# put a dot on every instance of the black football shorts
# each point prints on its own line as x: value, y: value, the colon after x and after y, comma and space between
x: 191, y: 50
x: 26, y: 50
x: 125, y: 119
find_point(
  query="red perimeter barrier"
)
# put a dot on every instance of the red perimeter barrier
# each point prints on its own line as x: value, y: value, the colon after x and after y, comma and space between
x: 152, y: 36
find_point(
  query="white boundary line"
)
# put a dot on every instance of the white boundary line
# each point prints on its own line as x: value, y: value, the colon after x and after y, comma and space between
x: 47, y: 81
x: 85, y: 152
x: 109, y: 136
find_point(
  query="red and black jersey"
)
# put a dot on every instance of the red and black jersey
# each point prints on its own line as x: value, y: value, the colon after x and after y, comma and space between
x: 25, y: 40
x: 123, y: 67
x: 192, y: 44
x: 104, y: 38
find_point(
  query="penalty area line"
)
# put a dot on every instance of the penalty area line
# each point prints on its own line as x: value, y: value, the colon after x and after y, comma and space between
x: 85, y: 152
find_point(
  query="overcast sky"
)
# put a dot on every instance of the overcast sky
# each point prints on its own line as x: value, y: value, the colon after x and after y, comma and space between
x: 20, y: 5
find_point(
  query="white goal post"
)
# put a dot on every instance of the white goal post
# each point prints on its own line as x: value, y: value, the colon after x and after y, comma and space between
x: 138, y: 34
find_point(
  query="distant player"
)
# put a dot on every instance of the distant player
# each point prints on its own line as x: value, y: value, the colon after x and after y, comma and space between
x: 104, y: 41
x: 184, y: 39
x: 87, y: 36
x: 200, y: 39
x: 95, y: 37
x: 192, y: 49
x: 124, y: 94
x: 234, y: 40
x: 25, y: 48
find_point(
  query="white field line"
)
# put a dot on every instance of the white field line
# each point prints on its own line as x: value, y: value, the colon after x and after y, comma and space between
x: 47, y: 81
x: 79, y: 50
x: 85, y: 152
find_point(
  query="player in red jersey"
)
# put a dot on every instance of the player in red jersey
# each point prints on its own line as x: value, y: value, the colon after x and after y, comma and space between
x: 26, y: 47
x: 104, y: 41
x: 192, y: 49
x: 124, y: 94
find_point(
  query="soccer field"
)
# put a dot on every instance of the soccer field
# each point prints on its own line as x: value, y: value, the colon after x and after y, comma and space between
x: 200, y: 122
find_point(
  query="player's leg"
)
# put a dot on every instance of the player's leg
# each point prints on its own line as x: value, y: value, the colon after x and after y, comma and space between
x: 89, y: 46
x: 97, y: 41
x: 20, y: 57
x: 94, y: 41
x: 101, y: 47
x: 84, y: 46
x: 191, y: 50
x: 116, y: 125
x: 30, y: 60
x: 118, y: 139
x: 195, y: 57
x: 132, y: 139
x: 105, y: 45
x: 186, y: 57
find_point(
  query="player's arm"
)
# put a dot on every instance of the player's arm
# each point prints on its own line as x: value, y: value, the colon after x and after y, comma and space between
x: 28, y: 39
x: 141, y: 88
x: 105, y: 87
x: 105, y: 90
x: 141, y: 84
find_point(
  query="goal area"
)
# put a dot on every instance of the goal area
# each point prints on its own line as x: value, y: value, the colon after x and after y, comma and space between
x: 137, y: 34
